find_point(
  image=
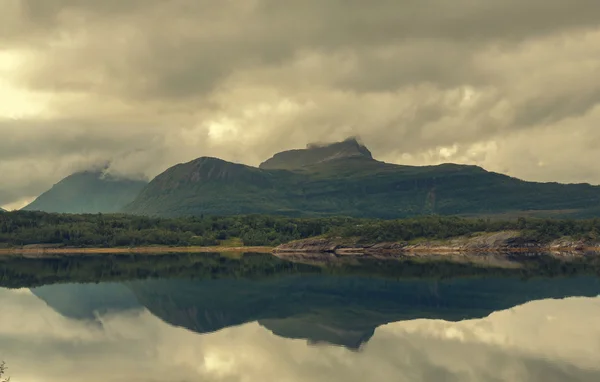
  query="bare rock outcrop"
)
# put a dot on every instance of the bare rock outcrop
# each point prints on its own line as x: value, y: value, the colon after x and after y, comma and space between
x: 504, y: 241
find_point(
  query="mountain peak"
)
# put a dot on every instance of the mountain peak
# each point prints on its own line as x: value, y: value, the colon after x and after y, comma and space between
x: 315, y: 153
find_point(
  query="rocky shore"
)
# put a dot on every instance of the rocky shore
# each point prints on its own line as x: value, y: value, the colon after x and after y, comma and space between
x: 497, y: 242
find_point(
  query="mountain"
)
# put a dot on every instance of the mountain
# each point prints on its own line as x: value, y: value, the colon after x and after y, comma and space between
x: 2, y: 209
x: 88, y: 192
x: 344, y: 179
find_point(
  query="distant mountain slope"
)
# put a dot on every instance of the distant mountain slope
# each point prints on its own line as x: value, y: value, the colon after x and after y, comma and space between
x: 87, y: 192
x: 344, y: 179
x: 2, y: 209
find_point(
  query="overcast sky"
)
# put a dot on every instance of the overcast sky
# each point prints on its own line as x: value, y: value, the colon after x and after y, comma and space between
x: 512, y: 85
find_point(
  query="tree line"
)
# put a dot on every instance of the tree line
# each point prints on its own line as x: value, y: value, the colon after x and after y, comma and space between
x: 21, y: 228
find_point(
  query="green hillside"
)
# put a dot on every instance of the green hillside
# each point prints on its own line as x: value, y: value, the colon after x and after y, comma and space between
x: 344, y: 179
x: 87, y: 192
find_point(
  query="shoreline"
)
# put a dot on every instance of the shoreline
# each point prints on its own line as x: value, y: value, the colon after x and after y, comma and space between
x: 158, y: 250
x: 408, y: 251
x: 439, y: 251
x: 488, y: 243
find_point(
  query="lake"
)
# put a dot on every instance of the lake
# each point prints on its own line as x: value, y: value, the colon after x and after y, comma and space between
x: 254, y: 317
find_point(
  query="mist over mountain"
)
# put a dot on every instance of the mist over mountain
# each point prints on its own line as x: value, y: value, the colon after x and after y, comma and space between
x: 91, y: 191
x: 343, y: 178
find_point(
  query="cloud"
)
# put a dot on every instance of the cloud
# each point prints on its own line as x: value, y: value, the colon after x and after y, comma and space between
x: 147, y: 84
x: 533, y: 342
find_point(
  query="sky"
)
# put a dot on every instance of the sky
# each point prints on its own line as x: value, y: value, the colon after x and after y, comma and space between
x: 535, y: 342
x: 509, y: 85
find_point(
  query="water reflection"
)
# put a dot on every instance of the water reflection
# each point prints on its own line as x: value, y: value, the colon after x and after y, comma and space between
x: 87, y: 301
x: 257, y: 319
x: 340, y: 310
x: 547, y: 340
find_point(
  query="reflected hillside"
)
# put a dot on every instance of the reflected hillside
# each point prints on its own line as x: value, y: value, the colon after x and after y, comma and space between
x: 87, y: 301
x: 338, y: 310
x: 341, y: 310
x: 340, y: 303
x: 541, y: 341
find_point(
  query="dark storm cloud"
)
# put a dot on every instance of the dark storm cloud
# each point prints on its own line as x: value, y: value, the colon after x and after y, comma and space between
x: 184, y: 48
x: 419, y: 81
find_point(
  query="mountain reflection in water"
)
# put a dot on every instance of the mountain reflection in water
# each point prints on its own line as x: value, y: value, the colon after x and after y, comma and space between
x: 305, y: 327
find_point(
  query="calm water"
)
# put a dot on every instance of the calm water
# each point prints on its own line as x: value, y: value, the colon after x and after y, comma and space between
x: 276, y: 323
